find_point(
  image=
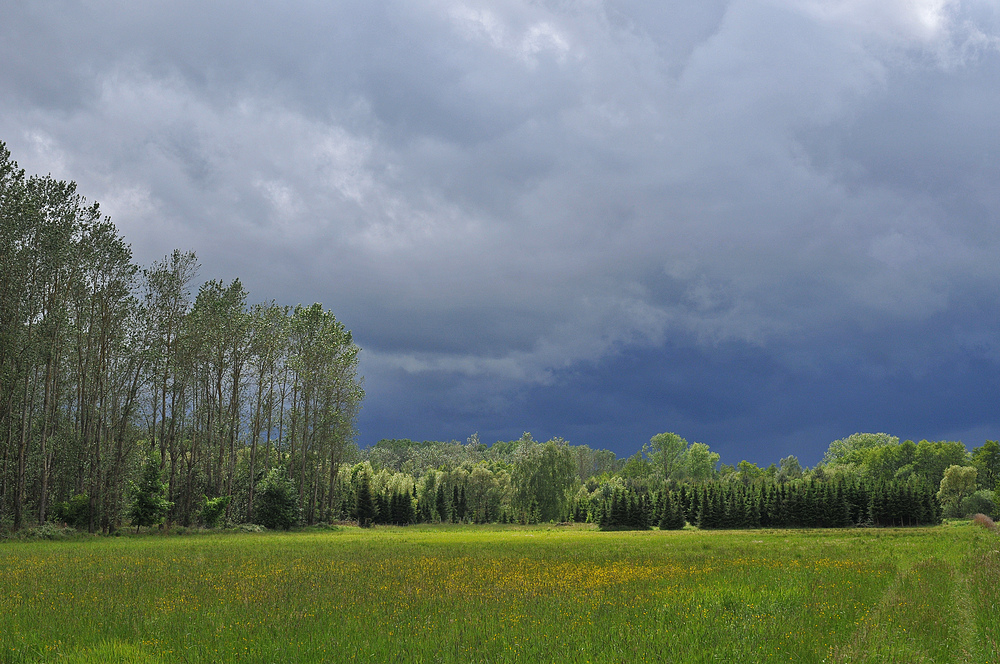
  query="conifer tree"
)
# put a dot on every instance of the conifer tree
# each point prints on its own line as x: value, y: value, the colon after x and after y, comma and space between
x: 685, y: 503
x: 366, y: 506
x: 672, y: 516
x: 441, y: 504
x: 463, y: 505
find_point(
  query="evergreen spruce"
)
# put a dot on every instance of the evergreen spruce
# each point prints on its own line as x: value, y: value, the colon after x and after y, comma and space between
x: 672, y: 513
x: 441, y: 504
x: 685, y: 503
x: 366, y: 505
x: 643, y: 512
x: 463, y: 506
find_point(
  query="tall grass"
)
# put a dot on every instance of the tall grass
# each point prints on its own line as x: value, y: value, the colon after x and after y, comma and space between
x: 463, y: 594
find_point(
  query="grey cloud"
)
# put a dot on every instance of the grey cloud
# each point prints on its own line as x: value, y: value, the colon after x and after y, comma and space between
x: 508, y: 190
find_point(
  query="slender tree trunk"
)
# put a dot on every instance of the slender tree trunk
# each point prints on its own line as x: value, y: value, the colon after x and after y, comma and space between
x: 45, y: 456
x: 307, y: 428
x: 167, y: 350
x: 22, y: 457
x: 281, y: 411
x: 315, y: 496
x: 254, y: 435
x: 220, y: 473
x: 234, y: 426
x: 6, y: 452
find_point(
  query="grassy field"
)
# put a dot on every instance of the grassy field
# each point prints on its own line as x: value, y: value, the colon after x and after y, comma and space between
x: 481, y: 594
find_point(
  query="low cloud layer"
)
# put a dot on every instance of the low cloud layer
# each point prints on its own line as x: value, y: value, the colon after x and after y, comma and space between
x: 761, y: 224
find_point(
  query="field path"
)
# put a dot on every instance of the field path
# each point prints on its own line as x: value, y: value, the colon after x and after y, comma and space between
x: 932, y: 629
x: 965, y: 618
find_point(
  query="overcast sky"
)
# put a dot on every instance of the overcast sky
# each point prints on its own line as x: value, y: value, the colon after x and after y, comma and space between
x: 760, y: 224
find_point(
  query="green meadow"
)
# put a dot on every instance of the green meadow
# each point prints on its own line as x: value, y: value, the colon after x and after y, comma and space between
x: 506, y: 594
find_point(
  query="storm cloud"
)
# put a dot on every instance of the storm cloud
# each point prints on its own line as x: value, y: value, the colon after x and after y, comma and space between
x: 760, y: 224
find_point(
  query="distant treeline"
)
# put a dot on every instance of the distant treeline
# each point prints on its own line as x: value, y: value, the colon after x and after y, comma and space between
x: 837, y: 503
x: 865, y: 479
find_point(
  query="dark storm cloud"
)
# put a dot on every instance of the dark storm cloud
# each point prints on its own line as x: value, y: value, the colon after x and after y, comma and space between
x: 761, y: 224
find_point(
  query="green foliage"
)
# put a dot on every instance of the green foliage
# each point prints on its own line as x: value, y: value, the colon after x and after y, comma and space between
x: 789, y: 469
x: 749, y: 473
x: 366, y: 511
x: 249, y: 528
x: 745, y: 497
x: 980, y: 502
x: 277, y: 501
x: 627, y: 509
x: 74, y: 512
x: 149, y: 507
x: 957, y: 483
x: 212, y: 510
x: 667, y: 452
x: 672, y: 512
x: 932, y: 458
x: 882, y: 458
x: 701, y: 462
x: 543, y: 478
x: 48, y: 531
x: 986, y: 459
x: 636, y: 468
x: 852, y: 449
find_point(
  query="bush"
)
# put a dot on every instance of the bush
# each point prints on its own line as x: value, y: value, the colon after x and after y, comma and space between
x: 74, y: 512
x: 48, y: 531
x: 249, y: 528
x: 149, y: 507
x: 981, y: 502
x: 277, y: 502
x: 984, y: 521
x: 212, y: 510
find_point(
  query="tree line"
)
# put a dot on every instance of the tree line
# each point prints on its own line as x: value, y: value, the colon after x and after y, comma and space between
x: 107, y: 369
x: 837, y: 503
x: 864, y: 480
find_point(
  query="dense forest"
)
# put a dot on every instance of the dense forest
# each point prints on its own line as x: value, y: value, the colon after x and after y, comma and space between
x: 134, y: 396
x: 116, y: 380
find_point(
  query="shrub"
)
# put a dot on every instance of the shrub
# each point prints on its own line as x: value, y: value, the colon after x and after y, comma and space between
x: 149, y: 507
x: 48, y: 531
x: 249, y: 528
x: 212, y: 510
x: 984, y: 521
x: 74, y: 512
x: 981, y: 502
x: 277, y: 502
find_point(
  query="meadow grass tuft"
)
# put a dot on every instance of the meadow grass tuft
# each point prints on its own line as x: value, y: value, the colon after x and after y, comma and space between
x: 984, y: 521
x: 505, y: 594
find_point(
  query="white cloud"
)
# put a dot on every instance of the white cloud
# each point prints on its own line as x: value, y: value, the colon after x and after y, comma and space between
x: 525, y: 43
x: 921, y: 21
